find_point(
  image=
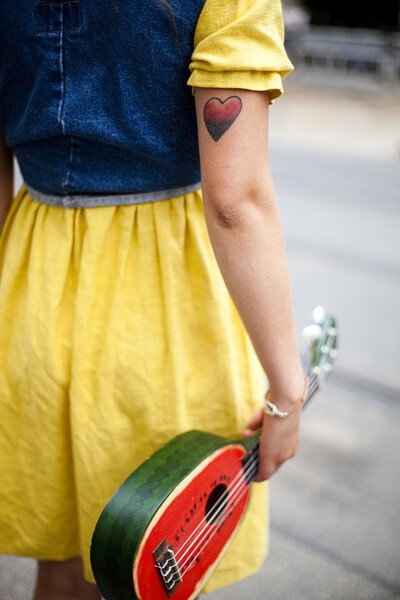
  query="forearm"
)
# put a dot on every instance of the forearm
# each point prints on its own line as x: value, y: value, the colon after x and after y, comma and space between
x: 6, y: 180
x: 249, y: 248
x: 244, y: 228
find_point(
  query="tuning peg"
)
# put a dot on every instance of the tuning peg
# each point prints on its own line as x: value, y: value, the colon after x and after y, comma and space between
x: 318, y: 315
x: 312, y: 332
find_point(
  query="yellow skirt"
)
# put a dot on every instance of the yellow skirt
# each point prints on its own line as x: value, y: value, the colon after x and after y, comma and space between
x: 116, y: 334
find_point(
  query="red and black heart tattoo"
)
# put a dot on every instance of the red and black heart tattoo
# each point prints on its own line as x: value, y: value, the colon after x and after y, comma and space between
x: 219, y: 115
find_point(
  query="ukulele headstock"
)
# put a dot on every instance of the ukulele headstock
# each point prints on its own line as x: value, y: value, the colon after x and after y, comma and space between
x: 321, y: 350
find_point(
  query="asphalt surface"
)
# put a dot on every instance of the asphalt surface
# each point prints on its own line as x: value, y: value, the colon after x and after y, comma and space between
x: 335, y: 508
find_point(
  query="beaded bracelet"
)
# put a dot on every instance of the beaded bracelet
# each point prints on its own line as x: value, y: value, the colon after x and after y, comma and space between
x: 271, y: 409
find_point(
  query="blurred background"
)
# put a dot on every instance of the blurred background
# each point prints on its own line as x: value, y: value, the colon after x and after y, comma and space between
x: 335, y: 155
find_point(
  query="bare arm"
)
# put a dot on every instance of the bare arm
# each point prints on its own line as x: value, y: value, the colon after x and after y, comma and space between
x: 245, y: 232
x: 6, y: 179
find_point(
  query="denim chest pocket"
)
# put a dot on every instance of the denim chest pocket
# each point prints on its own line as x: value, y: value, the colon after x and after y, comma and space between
x: 52, y: 17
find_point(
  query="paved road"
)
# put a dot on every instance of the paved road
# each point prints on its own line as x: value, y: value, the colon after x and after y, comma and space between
x: 336, y: 162
x: 335, y: 150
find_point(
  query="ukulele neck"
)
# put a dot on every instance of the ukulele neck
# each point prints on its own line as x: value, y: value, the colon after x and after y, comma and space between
x: 320, y: 354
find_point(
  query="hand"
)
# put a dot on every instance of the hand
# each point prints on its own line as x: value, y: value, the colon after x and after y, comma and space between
x: 279, y: 440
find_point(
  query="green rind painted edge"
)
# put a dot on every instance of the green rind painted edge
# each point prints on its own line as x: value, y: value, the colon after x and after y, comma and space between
x: 125, y: 518
x: 249, y: 442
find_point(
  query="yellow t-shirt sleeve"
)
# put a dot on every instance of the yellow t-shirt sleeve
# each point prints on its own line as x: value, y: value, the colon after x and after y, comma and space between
x: 239, y: 44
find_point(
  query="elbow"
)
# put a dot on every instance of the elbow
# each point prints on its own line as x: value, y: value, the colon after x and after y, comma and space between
x: 231, y: 209
x: 227, y: 214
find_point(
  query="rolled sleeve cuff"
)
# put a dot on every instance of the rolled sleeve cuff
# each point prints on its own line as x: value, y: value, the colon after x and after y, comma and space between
x: 247, y: 80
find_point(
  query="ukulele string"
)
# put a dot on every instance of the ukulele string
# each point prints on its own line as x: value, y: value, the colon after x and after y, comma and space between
x: 205, y: 537
x: 314, y: 383
x: 208, y: 537
x: 239, y: 490
x: 240, y: 486
x: 220, y: 501
x: 200, y: 547
x: 312, y: 387
x: 177, y: 566
x: 219, y: 505
x: 253, y: 462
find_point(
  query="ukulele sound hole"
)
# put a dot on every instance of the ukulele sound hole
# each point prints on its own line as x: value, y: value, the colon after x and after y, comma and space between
x: 217, y: 503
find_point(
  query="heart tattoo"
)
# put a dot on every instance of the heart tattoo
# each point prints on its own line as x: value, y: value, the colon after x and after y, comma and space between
x: 219, y: 115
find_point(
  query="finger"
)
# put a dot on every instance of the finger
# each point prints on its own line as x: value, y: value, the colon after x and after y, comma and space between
x: 270, y: 468
x: 266, y: 472
x: 267, y: 468
x: 248, y: 432
x: 256, y: 421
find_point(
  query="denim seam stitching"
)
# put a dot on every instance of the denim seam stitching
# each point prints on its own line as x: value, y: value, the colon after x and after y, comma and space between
x: 62, y: 79
x: 71, y: 155
x: 47, y: 31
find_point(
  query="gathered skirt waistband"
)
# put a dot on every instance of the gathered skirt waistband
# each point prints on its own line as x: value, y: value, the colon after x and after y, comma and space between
x: 96, y: 200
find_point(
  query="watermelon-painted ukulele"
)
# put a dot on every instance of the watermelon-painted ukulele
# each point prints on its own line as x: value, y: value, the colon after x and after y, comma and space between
x: 166, y: 528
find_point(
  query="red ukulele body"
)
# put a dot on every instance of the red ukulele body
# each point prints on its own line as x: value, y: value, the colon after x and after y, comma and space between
x: 192, y: 529
x: 166, y: 528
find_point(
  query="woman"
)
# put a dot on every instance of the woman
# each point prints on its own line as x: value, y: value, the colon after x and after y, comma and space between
x: 117, y: 329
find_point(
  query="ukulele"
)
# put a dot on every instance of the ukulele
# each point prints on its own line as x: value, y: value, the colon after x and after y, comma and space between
x: 166, y: 528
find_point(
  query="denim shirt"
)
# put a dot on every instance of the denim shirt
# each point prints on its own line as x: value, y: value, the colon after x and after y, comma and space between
x: 94, y: 100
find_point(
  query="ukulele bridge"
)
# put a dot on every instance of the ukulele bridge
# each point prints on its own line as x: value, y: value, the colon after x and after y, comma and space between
x: 167, y: 567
